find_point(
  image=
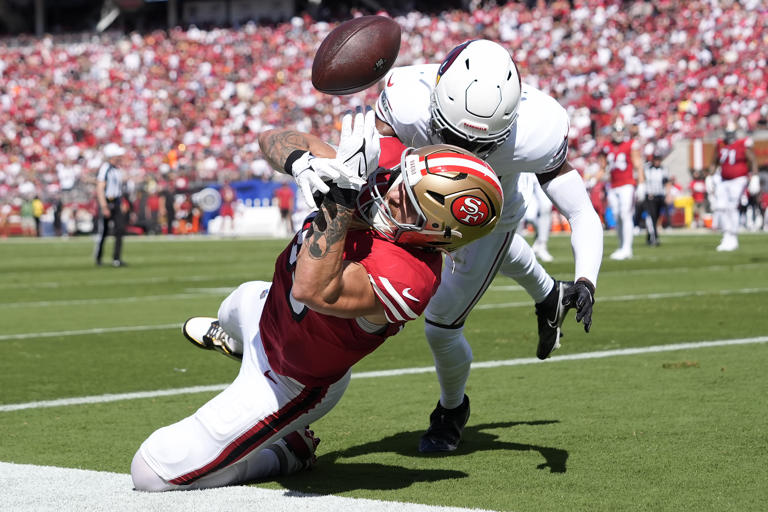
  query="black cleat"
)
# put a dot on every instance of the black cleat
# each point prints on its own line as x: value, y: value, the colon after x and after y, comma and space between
x: 206, y: 333
x: 550, y: 315
x: 445, y: 427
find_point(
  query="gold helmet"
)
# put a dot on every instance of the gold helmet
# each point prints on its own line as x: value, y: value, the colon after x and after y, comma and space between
x: 457, y: 198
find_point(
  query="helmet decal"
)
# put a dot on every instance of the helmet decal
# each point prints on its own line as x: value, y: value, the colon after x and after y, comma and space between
x: 470, y: 210
x: 450, y: 58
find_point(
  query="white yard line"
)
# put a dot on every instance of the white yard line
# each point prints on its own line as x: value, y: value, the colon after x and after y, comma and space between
x: 194, y: 293
x: 625, y: 298
x: 80, y: 332
x: 43, y: 488
x: 392, y: 373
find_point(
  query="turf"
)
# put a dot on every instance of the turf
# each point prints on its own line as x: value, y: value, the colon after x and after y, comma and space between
x: 679, y: 430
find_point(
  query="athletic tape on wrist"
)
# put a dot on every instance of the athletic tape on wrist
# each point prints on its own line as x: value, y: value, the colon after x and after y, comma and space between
x: 295, y: 155
x: 345, y: 197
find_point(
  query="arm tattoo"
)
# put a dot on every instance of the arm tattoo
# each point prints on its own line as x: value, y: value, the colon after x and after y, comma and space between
x: 278, y: 145
x: 329, y: 227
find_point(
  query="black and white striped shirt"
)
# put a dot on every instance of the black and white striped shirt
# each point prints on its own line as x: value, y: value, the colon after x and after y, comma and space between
x: 113, y: 178
x: 655, y: 179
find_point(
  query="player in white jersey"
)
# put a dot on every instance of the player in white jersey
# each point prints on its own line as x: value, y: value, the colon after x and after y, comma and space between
x: 475, y: 99
x: 538, y: 212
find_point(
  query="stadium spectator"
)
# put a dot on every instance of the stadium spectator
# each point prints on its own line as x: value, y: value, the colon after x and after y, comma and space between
x: 734, y: 160
x: 109, y: 194
x: 194, y: 99
x: 335, y: 297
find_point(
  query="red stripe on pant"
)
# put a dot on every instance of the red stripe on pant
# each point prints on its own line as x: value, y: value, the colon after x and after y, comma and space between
x: 258, y: 434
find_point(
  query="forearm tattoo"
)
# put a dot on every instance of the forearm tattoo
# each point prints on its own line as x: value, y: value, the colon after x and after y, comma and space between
x: 329, y: 227
x: 278, y: 145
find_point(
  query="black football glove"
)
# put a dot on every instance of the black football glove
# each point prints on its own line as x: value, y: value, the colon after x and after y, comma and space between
x: 581, y: 295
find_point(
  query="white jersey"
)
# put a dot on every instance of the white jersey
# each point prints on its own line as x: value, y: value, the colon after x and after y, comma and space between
x: 538, y: 142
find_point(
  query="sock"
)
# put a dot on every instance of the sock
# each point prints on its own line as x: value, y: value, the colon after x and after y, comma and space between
x: 453, y: 357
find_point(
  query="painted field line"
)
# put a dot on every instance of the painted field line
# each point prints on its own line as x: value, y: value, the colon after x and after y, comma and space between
x: 82, y: 490
x: 95, y: 399
x: 105, y: 300
x: 96, y: 330
x: 223, y: 291
x: 625, y: 298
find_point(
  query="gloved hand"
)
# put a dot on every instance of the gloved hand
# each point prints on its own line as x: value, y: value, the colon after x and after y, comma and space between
x: 640, y: 192
x: 359, y: 149
x: 580, y: 295
x: 311, y: 173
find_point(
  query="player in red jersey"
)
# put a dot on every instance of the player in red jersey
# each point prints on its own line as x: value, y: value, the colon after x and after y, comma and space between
x: 361, y: 266
x: 735, y: 159
x: 621, y: 158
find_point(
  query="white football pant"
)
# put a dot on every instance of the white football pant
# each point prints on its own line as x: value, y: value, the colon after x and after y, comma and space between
x: 221, y: 443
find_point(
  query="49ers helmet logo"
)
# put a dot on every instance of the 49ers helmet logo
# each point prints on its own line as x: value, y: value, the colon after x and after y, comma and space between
x: 470, y: 210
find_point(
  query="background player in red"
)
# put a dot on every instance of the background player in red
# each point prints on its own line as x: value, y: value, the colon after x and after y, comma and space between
x: 227, y: 210
x: 620, y: 157
x: 339, y: 290
x: 285, y: 201
x: 735, y: 159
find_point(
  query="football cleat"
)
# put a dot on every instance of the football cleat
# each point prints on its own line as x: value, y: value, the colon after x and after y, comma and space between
x: 550, y: 314
x: 445, y: 428
x: 206, y: 333
x: 621, y: 255
x: 296, y: 451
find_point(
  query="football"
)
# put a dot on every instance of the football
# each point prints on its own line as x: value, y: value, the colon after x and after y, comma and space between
x: 356, y: 55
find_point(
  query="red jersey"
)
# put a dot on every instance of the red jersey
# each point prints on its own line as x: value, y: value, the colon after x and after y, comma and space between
x: 619, y: 162
x: 284, y: 197
x: 733, y: 158
x: 318, y: 349
x: 698, y: 190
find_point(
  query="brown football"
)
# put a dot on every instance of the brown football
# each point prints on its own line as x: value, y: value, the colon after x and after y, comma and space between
x: 356, y: 55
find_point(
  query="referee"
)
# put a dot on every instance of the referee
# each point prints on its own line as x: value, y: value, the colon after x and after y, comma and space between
x: 656, y: 187
x: 109, y: 192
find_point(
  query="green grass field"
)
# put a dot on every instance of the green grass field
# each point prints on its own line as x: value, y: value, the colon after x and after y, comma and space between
x: 658, y: 429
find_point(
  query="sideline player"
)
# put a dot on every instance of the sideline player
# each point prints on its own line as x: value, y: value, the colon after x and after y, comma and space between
x: 538, y: 212
x: 339, y: 290
x: 475, y: 99
x: 736, y: 161
x: 620, y: 157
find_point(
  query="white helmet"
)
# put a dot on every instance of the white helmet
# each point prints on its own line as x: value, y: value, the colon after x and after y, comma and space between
x: 476, y: 97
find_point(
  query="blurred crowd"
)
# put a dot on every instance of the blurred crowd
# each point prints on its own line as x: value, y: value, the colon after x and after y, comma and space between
x: 188, y: 104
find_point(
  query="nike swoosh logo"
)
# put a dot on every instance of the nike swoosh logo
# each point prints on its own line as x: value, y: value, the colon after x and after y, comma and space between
x: 407, y: 294
x: 389, y: 81
x: 362, y: 166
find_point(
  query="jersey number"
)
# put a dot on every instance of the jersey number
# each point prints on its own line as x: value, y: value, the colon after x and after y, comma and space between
x: 617, y: 161
x: 727, y: 155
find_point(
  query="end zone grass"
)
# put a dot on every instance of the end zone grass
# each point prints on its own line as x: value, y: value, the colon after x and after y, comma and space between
x: 681, y: 430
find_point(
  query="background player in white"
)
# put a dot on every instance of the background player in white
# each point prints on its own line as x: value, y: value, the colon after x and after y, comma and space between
x: 339, y: 290
x: 475, y: 99
x: 621, y: 159
x: 538, y: 212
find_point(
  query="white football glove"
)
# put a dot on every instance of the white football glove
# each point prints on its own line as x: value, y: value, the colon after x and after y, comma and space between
x: 359, y: 149
x: 310, y: 174
x: 640, y: 192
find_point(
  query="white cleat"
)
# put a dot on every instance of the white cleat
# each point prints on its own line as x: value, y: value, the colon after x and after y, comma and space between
x: 621, y: 255
x: 206, y: 333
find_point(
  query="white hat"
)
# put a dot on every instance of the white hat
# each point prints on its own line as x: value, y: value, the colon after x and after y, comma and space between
x: 112, y: 149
